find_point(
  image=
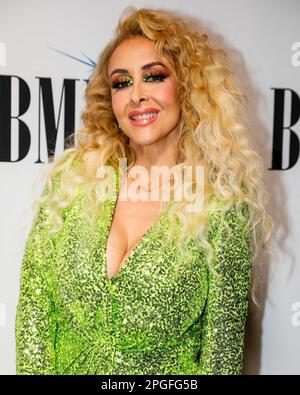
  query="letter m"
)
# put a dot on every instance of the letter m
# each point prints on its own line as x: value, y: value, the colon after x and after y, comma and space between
x: 51, y: 123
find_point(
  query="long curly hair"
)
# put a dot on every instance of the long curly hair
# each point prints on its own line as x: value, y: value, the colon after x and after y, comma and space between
x: 212, y: 133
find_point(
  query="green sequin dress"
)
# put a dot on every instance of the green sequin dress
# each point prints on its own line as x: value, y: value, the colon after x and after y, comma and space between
x: 160, y: 314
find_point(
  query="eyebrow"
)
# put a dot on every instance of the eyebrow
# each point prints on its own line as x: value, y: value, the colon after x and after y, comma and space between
x: 146, y: 66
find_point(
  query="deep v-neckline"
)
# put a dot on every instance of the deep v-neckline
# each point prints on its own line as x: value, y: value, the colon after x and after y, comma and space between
x: 124, y: 263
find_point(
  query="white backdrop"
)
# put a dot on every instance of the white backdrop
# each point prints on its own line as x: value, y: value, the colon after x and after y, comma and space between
x: 262, y: 39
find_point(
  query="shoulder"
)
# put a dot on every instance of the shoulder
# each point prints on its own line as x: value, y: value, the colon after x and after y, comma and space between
x: 231, y: 243
x: 61, y: 168
x: 227, y: 217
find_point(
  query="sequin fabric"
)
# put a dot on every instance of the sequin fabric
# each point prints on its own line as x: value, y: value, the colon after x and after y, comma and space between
x: 161, y: 314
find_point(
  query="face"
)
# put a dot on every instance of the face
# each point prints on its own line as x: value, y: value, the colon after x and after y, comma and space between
x: 144, y: 97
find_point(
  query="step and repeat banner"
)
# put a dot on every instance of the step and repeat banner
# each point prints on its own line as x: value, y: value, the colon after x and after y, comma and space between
x: 48, y: 50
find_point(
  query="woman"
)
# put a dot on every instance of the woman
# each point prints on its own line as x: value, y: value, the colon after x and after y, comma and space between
x: 127, y: 286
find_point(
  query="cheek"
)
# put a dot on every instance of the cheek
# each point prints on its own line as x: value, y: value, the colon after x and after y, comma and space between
x: 116, y: 104
x: 168, y: 95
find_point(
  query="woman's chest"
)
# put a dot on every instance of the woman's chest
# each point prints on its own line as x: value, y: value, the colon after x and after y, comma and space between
x: 130, y: 222
x: 160, y: 288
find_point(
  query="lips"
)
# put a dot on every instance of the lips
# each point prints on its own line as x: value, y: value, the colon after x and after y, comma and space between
x: 143, y: 121
x: 146, y: 111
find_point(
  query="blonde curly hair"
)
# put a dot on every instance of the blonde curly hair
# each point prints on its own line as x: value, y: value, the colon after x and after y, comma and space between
x: 211, y: 131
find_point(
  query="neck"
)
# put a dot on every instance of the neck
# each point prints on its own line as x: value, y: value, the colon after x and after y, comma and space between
x: 161, y: 153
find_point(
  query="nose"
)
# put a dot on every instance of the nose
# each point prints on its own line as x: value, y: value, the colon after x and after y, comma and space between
x: 137, y: 94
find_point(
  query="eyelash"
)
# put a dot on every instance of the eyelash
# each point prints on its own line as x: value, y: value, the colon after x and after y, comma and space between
x: 158, y: 77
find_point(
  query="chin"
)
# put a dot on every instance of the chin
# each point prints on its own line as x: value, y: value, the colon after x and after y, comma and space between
x: 144, y: 140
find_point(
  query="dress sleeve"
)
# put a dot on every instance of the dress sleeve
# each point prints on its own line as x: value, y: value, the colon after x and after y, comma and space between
x: 34, y: 329
x: 225, y: 313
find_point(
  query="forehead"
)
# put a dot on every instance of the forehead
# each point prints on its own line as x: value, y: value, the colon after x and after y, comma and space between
x: 133, y: 52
